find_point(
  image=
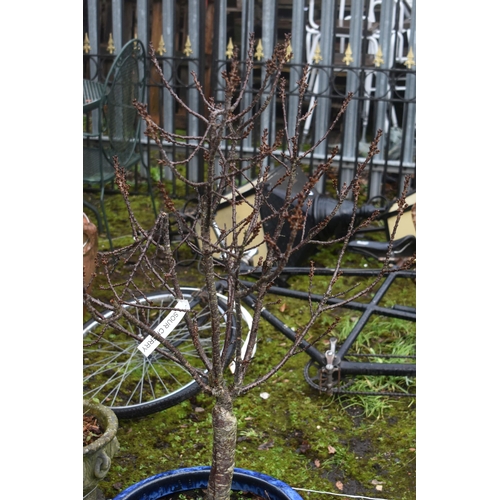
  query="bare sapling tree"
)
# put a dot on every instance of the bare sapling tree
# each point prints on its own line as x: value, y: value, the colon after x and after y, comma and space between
x: 255, y: 238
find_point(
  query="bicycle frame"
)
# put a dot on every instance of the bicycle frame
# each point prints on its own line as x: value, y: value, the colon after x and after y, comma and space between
x: 335, y: 361
x: 339, y: 363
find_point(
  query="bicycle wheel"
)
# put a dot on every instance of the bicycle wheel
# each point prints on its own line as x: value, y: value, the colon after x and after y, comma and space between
x: 132, y: 385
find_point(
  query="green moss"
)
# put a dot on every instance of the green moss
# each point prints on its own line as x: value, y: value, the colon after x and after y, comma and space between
x: 311, y: 441
x: 291, y: 436
x: 308, y: 440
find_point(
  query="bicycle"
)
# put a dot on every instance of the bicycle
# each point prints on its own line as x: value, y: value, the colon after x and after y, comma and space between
x: 133, y: 385
x: 120, y: 376
x: 130, y: 379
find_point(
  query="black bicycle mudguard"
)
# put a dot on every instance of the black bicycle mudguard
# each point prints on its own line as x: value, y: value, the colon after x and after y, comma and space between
x: 401, y: 248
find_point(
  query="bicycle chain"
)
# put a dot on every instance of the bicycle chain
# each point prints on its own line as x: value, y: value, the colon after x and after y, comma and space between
x: 342, y: 389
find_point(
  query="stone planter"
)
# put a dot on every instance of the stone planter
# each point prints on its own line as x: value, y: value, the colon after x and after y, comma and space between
x: 97, y: 455
x: 183, y: 480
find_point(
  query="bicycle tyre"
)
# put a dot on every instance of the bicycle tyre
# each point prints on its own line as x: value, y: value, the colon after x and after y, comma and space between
x: 132, y: 385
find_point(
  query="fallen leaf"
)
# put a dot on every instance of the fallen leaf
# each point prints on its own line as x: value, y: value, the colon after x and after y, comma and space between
x: 317, y: 463
x: 283, y: 307
x: 339, y: 485
x: 199, y: 409
x: 303, y: 447
x: 264, y: 395
x: 374, y: 481
x: 266, y: 446
x: 379, y: 487
x: 331, y: 450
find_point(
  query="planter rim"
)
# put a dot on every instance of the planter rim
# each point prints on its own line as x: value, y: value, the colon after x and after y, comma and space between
x: 111, y: 425
x: 197, y: 477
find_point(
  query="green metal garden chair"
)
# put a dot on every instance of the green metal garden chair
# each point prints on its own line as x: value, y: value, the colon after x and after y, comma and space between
x: 118, y: 127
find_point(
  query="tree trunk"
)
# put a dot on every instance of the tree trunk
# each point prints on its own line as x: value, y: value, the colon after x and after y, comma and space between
x: 224, y: 448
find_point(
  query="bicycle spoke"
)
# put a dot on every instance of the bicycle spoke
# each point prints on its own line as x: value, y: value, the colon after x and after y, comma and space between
x: 118, y: 374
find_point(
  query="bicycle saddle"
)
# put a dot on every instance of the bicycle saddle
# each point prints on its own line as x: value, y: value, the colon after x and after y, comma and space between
x: 401, y: 248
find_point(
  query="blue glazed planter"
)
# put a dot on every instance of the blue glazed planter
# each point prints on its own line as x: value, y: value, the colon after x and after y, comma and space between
x: 183, y: 480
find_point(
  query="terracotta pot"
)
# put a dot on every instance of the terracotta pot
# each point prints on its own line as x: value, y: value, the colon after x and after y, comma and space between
x: 98, y: 454
x: 183, y: 480
x: 90, y: 247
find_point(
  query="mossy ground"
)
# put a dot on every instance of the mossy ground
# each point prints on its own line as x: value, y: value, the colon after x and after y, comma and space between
x: 321, y: 444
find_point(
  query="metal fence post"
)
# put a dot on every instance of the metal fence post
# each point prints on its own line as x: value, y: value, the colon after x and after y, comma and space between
x: 193, y: 65
x: 117, y: 16
x: 142, y: 30
x: 93, y: 37
x: 297, y: 41
x: 410, y: 93
x: 219, y: 57
x: 322, y: 111
x: 92, y: 12
x: 350, y: 142
x: 247, y: 27
x: 268, y: 31
x: 168, y: 20
x: 220, y: 53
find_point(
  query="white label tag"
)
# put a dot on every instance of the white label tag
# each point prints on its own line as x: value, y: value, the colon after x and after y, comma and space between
x: 149, y: 344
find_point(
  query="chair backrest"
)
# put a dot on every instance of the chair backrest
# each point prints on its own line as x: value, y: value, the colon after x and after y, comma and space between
x: 125, y: 82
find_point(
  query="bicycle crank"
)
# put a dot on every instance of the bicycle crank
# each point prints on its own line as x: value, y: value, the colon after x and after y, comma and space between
x: 325, y: 378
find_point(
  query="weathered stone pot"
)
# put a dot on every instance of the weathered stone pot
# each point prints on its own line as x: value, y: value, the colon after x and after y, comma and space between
x: 192, y: 478
x: 97, y: 455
